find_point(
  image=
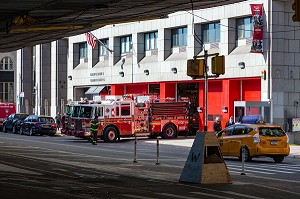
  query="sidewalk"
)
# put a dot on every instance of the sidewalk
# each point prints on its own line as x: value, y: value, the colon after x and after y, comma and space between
x: 295, y: 151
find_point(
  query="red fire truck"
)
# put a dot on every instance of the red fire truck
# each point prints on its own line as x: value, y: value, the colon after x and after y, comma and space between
x: 127, y: 116
x: 5, y: 110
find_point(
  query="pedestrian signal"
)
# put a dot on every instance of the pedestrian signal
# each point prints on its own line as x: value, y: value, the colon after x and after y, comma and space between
x: 195, y: 68
x: 218, y: 65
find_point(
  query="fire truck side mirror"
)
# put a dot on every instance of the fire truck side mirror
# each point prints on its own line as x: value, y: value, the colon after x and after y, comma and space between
x: 199, y: 109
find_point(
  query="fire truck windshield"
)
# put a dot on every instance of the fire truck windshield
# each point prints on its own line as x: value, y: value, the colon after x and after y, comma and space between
x: 69, y: 109
x: 82, y: 111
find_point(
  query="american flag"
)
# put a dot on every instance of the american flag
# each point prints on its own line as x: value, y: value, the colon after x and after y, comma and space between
x: 91, y: 40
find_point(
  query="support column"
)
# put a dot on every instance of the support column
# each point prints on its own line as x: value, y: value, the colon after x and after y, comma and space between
x: 26, y: 80
x: 167, y: 90
x: 201, y: 93
x: 59, y: 54
x: 117, y: 89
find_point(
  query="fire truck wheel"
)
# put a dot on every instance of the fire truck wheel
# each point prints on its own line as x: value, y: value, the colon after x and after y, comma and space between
x: 169, y: 131
x: 110, y: 134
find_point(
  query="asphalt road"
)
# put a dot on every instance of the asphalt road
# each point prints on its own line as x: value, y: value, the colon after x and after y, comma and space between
x: 67, y: 167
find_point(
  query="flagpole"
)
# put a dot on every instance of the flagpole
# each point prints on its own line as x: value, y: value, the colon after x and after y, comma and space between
x: 102, y: 43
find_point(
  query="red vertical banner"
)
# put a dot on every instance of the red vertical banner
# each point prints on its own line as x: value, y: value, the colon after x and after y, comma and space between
x: 257, y: 21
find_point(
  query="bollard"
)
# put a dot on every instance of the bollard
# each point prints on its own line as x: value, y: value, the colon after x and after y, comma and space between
x: 157, y: 151
x: 135, y: 142
x: 243, y: 160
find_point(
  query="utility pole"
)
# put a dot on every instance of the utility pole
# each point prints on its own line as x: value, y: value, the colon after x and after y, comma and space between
x: 198, y: 68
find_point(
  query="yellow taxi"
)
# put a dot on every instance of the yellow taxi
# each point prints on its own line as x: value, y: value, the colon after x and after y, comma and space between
x: 258, y: 138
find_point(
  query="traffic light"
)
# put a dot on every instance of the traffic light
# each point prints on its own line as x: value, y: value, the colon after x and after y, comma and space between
x: 195, y: 68
x: 218, y: 65
x: 263, y: 74
x: 296, y: 8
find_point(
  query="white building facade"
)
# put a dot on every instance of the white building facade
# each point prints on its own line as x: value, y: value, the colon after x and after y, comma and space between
x: 151, y: 57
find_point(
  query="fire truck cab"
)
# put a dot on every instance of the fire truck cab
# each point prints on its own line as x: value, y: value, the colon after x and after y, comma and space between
x: 5, y: 110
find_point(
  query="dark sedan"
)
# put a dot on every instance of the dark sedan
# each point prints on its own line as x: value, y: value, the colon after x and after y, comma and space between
x: 13, y: 122
x: 42, y: 125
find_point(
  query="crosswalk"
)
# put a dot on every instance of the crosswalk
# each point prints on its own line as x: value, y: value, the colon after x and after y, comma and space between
x: 266, y: 169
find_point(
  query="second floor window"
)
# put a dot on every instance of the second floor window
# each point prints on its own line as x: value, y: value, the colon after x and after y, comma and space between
x: 244, y: 28
x: 6, y: 91
x: 82, y: 50
x: 211, y: 33
x: 126, y: 44
x: 6, y: 64
x: 102, y: 50
x: 151, y: 41
x: 179, y: 37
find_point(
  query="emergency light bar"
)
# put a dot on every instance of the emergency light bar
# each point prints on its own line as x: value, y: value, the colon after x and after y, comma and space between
x: 252, y: 119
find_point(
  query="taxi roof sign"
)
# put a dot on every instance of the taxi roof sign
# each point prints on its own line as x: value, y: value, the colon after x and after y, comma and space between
x: 252, y: 119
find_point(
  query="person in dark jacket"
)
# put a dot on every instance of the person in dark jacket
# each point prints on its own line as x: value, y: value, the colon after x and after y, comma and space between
x: 58, y: 120
x: 230, y: 122
x: 217, y: 125
x: 94, y: 130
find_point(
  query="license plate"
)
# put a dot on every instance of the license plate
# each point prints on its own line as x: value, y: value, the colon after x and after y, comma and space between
x: 273, y: 142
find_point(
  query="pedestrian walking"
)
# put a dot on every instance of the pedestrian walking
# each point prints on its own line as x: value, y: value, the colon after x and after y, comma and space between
x: 229, y: 122
x: 217, y: 125
x: 58, y: 120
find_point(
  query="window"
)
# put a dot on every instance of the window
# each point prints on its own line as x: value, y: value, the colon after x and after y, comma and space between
x: 179, y: 37
x: 126, y: 44
x: 125, y: 110
x: 151, y: 41
x: 239, y: 130
x: 82, y: 50
x: 211, y: 33
x: 244, y: 28
x: 6, y: 91
x: 86, y: 112
x: 226, y: 132
x: 271, y: 131
x: 102, y: 50
x: 6, y: 64
x: 154, y: 88
x: 99, y: 111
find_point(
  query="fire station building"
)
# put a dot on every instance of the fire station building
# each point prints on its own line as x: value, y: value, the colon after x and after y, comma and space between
x: 258, y: 38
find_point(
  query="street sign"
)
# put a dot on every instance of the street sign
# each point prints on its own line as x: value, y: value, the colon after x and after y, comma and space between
x: 21, y: 94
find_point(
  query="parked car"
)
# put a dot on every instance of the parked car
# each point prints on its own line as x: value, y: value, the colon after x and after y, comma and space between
x: 13, y: 122
x: 257, y: 138
x: 42, y: 125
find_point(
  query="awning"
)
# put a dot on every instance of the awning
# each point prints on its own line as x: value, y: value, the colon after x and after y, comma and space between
x: 94, y: 90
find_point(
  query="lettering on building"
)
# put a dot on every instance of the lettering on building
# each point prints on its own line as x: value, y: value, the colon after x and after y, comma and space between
x: 97, y: 79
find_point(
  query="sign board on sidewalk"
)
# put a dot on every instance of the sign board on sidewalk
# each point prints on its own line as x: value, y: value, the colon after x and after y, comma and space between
x: 21, y: 94
x: 205, y: 162
x: 296, y: 124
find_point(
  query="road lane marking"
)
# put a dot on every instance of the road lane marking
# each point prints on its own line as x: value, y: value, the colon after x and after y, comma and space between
x: 136, y: 196
x: 227, y: 192
x: 198, y: 193
x: 258, y: 167
x: 252, y: 171
x: 242, y: 195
